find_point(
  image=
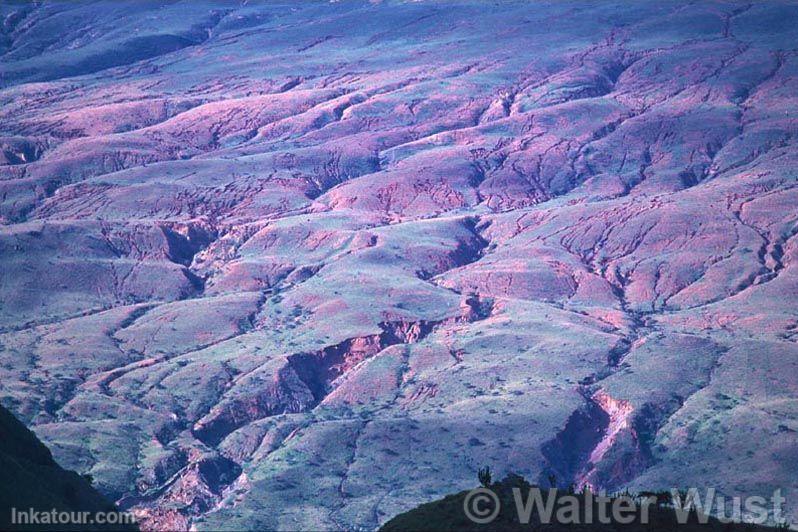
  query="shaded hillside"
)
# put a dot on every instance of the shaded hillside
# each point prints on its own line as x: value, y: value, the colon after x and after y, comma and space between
x: 32, y: 479
x: 448, y: 514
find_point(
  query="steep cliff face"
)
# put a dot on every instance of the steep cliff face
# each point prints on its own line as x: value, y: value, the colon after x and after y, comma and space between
x: 32, y: 480
x: 308, y: 264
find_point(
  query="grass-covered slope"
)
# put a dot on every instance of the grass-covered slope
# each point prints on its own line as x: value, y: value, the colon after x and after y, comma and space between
x: 32, y: 479
x: 300, y: 265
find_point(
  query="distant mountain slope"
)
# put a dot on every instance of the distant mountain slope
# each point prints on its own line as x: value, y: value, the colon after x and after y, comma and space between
x: 305, y: 264
x: 30, y: 478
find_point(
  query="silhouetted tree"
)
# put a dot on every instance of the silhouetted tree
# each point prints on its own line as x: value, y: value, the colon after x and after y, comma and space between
x: 484, y: 476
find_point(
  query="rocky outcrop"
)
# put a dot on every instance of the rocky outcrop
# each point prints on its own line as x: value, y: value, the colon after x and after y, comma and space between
x: 33, y: 482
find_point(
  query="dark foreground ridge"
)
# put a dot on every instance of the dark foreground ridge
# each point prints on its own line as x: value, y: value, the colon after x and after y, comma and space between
x: 449, y: 514
x: 31, y: 479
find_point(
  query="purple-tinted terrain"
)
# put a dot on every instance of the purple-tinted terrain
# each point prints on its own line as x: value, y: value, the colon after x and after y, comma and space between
x: 306, y: 265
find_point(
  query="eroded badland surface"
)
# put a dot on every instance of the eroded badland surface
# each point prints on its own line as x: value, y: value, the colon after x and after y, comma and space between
x: 307, y: 265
